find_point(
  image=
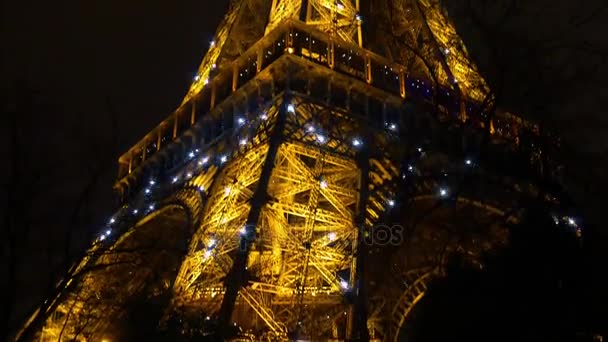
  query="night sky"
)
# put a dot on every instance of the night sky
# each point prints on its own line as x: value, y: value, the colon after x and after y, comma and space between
x: 90, y: 61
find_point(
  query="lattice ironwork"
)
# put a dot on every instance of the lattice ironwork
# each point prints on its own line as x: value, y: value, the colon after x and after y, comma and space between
x: 297, y: 139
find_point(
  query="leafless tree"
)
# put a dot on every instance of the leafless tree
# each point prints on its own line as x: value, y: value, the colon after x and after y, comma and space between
x: 48, y: 184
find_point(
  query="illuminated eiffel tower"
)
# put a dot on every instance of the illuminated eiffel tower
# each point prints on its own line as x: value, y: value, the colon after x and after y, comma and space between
x: 309, y: 125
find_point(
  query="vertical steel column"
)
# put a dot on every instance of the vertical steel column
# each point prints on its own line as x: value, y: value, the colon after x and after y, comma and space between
x: 237, y: 277
x: 357, y: 327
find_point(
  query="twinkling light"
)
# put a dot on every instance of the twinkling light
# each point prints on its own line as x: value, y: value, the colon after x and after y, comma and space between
x: 227, y: 190
x: 323, y: 184
x: 571, y: 221
x: 443, y: 192
x: 291, y: 108
x: 357, y: 142
x: 151, y: 207
x: 112, y: 220
x: 419, y: 149
x: 191, y: 154
x: 392, y: 126
x: 147, y: 191
x: 410, y: 168
x: 321, y: 138
x: 212, y: 43
x: 264, y: 116
x: 201, y: 188
x: 332, y: 236
x: 108, y: 232
x: 358, y: 17
x: 208, y: 254
x: 340, y: 7
x: 175, y: 179
x: 468, y: 162
x: 203, y: 161
x: 391, y: 203
x: 135, y: 211
x: 102, y: 237
x: 223, y: 159
x: 243, y: 142
x: 189, y: 175
x: 152, y: 182
x: 241, y: 121
x: 310, y: 129
x: 344, y: 284
x: 243, y: 231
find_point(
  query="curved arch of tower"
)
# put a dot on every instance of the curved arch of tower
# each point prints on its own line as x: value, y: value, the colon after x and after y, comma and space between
x: 322, y: 167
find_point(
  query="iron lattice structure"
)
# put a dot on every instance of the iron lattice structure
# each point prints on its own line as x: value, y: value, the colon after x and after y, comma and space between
x: 260, y: 202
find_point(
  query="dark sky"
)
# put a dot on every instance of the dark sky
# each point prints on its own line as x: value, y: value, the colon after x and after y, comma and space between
x: 139, y: 54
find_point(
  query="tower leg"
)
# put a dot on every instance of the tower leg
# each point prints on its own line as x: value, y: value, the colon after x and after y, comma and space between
x: 237, y: 276
x: 357, y: 327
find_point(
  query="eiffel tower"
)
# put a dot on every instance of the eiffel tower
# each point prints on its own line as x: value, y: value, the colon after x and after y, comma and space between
x: 262, y: 206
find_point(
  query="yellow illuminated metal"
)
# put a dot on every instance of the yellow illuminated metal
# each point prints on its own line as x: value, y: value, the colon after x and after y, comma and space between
x: 306, y: 233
